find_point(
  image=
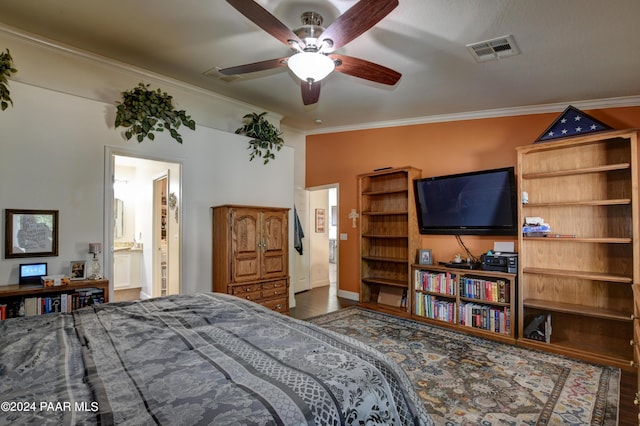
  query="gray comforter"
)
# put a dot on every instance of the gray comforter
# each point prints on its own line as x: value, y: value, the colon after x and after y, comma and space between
x: 198, y: 359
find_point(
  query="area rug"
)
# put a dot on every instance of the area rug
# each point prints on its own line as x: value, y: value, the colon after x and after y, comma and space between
x: 466, y: 380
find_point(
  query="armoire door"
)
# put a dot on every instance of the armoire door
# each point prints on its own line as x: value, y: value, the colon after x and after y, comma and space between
x: 274, y: 242
x: 246, y: 245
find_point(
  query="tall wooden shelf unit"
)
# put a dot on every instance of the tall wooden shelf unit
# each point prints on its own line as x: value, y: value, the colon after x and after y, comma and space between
x: 389, y: 237
x: 583, y: 273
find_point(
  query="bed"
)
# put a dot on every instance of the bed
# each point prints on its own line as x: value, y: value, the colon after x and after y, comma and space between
x: 194, y: 359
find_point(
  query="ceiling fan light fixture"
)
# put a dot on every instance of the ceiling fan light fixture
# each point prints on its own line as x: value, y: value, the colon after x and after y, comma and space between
x: 311, y: 66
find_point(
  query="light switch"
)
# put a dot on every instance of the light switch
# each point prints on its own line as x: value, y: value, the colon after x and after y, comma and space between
x: 343, y: 236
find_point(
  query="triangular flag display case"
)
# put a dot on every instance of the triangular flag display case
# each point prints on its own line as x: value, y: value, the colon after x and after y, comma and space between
x: 572, y: 122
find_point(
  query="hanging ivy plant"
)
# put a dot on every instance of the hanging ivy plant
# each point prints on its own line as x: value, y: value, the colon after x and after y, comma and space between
x: 266, y: 138
x: 6, y: 69
x: 143, y: 111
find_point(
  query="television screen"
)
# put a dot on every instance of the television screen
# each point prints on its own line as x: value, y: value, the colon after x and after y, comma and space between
x: 475, y: 203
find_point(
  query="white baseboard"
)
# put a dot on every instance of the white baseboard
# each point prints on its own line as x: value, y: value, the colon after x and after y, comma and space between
x: 351, y: 295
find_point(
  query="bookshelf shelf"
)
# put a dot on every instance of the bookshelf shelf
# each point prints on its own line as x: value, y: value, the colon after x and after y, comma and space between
x: 585, y: 188
x: 389, y: 238
x: 384, y: 281
x: 587, y: 311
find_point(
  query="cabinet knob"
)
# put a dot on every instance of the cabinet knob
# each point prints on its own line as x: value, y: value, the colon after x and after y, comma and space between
x: 633, y: 364
x: 632, y: 343
x: 275, y: 293
x: 279, y: 306
x: 636, y: 400
x: 247, y: 297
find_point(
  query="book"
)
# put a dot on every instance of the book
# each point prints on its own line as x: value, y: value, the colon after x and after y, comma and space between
x: 539, y: 328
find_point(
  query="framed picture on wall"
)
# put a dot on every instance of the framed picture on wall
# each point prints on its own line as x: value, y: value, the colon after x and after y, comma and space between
x: 30, y: 233
x: 424, y: 257
x: 320, y: 220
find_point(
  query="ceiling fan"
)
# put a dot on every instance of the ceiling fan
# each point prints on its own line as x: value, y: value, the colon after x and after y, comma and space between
x: 313, y: 45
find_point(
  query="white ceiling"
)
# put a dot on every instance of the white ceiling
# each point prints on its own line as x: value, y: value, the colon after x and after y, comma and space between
x: 571, y: 50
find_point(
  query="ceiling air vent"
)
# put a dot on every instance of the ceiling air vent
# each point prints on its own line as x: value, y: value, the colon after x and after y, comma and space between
x: 496, y: 48
x: 213, y: 72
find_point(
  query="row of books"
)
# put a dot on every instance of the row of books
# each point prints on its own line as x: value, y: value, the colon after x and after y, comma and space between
x: 477, y: 288
x: 430, y: 306
x: 63, y: 302
x: 486, y: 317
x: 437, y: 282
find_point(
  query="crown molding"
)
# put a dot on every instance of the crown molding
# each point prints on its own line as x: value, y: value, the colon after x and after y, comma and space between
x: 56, y: 46
x: 628, y: 101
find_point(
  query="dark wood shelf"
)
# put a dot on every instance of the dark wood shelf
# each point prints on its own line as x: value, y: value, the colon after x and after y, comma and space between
x: 22, y: 290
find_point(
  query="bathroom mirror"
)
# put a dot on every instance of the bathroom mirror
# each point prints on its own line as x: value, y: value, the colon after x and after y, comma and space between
x: 118, y: 216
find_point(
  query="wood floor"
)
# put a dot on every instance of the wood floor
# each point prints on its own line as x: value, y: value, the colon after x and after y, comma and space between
x: 322, y: 300
x: 318, y: 301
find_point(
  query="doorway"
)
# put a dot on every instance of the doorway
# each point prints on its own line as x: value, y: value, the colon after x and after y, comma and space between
x: 145, y: 229
x: 323, y: 245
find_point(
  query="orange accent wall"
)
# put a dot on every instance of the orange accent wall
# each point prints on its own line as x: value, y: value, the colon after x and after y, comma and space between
x: 436, y: 149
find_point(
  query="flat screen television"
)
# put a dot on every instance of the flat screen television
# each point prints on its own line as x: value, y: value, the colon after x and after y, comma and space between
x: 474, y: 203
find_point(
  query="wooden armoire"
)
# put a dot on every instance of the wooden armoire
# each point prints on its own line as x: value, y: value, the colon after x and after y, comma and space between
x: 250, y: 254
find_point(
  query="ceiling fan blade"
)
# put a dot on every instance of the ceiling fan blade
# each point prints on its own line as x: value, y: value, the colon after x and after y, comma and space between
x: 255, y: 66
x: 355, y: 21
x: 365, y: 69
x: 265, y: 20
x: 310, y: 92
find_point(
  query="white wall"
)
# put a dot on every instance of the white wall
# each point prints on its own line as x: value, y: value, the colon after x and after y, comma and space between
x: 52, y: 154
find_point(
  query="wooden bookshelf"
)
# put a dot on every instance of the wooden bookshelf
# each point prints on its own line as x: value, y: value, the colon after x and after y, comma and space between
x: 585, y: 188
x: 449, y: 288
x: 15, y: 292
x: 389, y: 238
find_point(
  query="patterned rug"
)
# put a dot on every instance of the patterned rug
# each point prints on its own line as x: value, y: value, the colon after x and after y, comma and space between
x: 466, y: 380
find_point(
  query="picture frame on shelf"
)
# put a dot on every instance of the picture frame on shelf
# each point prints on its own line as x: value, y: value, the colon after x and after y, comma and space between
x: 30, y: 233
x: 424, y: 257
x: 78, y: 270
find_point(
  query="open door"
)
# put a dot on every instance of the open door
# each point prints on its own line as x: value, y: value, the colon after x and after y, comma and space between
x: 146, y: 198
x: 160, y: 232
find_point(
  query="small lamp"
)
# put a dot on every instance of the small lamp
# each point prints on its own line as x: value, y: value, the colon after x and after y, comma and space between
x: 95, y: 249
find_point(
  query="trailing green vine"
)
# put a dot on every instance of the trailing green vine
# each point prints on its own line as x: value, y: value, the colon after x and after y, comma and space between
x: 143, y: 111
x: 6, y: 69
x: 266, y: 138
